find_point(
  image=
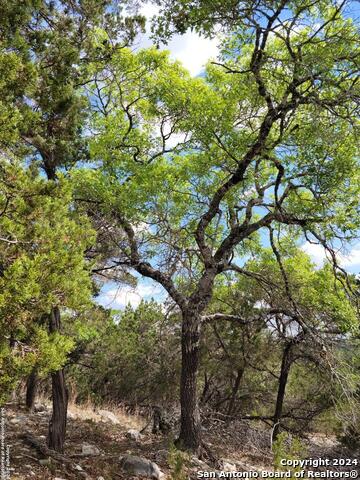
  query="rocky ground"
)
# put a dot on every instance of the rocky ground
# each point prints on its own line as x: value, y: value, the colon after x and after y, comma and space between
x: 99, y: 444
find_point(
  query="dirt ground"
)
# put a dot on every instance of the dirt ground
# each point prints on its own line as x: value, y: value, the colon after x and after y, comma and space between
x: 240, y: 446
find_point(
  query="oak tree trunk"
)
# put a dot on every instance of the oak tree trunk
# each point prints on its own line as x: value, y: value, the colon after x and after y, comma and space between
x: 204, y: 396
x: 239, y: 375
x: 190, y: 428
x: 57, y: 425
x: 284, y: 374
x: 31, y: 389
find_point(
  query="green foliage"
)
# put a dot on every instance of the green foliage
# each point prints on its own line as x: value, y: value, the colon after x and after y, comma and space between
x: 42, y: 247
x: 148, y: 176
x: 14, y: 363
x: 249, y: 349
x: 178, y: 460
x: 52, y: 67
x: 313, y: 290
x: 51, y: 350
x: 289, y: 448
x: 42, y: 265
x: 134, y: 357
x: 187, y: 177
x: 12, y: 75
x: 48, y: 352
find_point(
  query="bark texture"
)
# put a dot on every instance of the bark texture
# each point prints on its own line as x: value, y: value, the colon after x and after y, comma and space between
x: 284, y: 374
x: 190, y: 429
x: 57, y: 425
x: 235, y: 389
x: 31, y: 389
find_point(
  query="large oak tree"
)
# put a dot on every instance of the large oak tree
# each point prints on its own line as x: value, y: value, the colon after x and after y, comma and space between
x: 187, y: 171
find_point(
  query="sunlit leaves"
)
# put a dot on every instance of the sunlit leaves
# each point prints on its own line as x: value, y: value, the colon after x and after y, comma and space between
x: 42, y: 242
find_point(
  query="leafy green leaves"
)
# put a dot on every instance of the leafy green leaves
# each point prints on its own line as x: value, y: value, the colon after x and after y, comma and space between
x: 42, y: 263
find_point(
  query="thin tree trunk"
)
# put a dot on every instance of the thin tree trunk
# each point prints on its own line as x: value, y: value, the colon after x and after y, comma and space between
x: 240, y: 373
x: 31, y: 389
x: 57, y: 425
x: 190, y: 429
x: 284, y: 374
x: 203, y: 397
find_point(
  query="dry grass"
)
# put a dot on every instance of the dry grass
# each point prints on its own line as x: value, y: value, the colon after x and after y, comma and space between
x: 135, y: 420
x: 88, y: 411
x: 241, y: 443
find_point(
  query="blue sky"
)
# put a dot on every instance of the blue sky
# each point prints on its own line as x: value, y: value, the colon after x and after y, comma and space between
x: 117, y: 296
x: 194, y: 51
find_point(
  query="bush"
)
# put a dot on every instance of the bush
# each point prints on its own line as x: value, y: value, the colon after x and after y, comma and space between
x: 178, y: 461
x: 288, y: 448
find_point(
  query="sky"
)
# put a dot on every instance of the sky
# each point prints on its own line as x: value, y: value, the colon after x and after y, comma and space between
x: 117, y: 297
x: 194, y: 51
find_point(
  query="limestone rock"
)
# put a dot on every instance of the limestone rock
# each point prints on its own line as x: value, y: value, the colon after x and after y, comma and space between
x: 228, y: 465
x: 196, y: 462
x: 134, y: 434
x: 19, y: 419
x: 90, y: 450
x: 40, y: 407
x: 108, y: 417
x: 140, y: 466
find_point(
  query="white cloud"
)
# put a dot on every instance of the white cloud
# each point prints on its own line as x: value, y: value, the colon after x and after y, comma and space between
x: 149, y: 10
x: 174, y: 138
x: 351, y: 260
x: 192, y: 50
x: 120, y: 297
x: 141, y: 227
x: 316, y: 253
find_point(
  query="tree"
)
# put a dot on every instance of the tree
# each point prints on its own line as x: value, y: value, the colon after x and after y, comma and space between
x: 292, y: 288
x: 262, y: 336
x: 132, y: 359
x: 51, y: 110
x: 41, y: 240
x: 268, y: 143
